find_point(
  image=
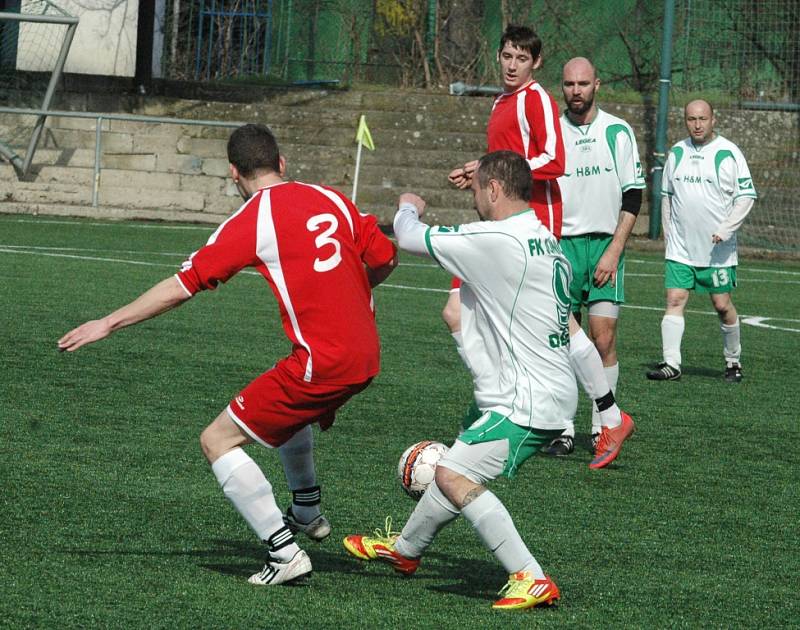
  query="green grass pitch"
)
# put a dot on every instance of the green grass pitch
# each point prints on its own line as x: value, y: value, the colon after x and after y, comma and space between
x: 112, y: 518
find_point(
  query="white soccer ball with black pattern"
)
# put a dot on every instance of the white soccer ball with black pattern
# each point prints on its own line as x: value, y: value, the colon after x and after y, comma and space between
x: 417, y: 466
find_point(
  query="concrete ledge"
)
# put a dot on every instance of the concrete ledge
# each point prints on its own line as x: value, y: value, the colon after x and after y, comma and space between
x: 110, y: 212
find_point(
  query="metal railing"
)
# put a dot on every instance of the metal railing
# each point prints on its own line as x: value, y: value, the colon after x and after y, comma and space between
x: 99, y: 118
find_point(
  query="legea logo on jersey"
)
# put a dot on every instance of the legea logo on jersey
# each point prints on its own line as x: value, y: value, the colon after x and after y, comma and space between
x: 584, y: 145
x: 639, y: 172
x: 447, y: 228
x: 745, y: 183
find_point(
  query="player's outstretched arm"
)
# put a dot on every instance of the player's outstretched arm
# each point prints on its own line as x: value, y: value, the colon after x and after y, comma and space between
x: 163, y: 297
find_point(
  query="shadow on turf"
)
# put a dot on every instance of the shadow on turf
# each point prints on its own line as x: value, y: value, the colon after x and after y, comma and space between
x: 436, y: 566
x: 688, y: 371
x: 465, y: 577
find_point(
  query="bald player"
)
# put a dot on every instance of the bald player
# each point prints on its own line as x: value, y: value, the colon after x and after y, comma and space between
x: 707, y: 194
x: 602, y: 193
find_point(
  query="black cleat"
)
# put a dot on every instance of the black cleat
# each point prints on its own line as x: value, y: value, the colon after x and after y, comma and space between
x: 664, y: 372
x: 560, y: 446
x: 733, y: 373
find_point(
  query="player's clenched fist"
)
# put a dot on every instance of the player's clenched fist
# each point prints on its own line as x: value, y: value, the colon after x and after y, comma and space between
x: 462, y: 177
x: 415, y: 200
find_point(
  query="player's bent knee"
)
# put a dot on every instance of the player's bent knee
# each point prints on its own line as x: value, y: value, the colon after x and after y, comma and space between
x: 455, y: 486
x: 207, y: 443
x: 606, y: 345
x: 221, y: 436
x: 452, y: 317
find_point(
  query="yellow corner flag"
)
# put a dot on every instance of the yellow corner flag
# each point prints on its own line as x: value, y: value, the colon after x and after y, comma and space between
x: 363, y: 135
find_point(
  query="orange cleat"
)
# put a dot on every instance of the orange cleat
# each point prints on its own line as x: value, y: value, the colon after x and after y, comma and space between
x: 610, y: 443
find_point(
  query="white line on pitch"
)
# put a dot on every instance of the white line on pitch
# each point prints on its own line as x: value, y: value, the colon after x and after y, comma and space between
x: 753, y: 320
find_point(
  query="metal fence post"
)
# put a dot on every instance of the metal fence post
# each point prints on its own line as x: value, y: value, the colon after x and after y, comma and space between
x: 98, y: 134
x: 661, y: 126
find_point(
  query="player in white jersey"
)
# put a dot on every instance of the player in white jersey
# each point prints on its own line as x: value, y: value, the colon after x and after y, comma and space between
x: 514, y: 311
x: 602, y: 193
x: 707, y: 194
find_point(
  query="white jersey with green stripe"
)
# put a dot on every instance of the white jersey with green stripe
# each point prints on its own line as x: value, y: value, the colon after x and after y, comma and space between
x: 602, y: 163
x: 514, y: 316
x: 702, y: 183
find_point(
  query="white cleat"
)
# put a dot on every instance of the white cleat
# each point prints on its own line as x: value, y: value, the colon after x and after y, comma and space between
x: 317, y: 530
x: 275, y: 572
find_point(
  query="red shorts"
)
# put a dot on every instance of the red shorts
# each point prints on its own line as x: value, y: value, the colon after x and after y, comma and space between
x: 276, y: 405
x: 455, y: 283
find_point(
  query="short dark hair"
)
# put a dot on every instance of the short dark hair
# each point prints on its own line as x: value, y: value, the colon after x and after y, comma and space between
x: 522, y: 37
x: 253, y: 148
x: 508, y: 168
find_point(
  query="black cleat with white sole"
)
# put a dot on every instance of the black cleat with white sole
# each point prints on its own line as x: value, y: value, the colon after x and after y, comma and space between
x: 664, y: 372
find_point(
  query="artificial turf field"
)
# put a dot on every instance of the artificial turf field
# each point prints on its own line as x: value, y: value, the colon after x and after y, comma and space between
x: 112, y: 518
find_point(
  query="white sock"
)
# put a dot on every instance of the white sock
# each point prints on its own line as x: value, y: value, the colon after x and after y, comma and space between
x: 588, y: 367
x: 671, y: 334
x: 612, y: 376
x: 297, y: 457
x: 731, y: 342
x: 251, y: 494
x: 496, y: 530
x: 432, y: 513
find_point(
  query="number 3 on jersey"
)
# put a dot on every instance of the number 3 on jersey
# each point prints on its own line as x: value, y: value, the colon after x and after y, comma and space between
x: 323, y: 239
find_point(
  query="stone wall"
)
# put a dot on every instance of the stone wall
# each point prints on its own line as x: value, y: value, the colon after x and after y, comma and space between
x: 178, y: 172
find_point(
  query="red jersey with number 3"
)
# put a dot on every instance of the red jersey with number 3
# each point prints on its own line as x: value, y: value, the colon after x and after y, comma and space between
x: 527, y: 122
x: 311, y: 244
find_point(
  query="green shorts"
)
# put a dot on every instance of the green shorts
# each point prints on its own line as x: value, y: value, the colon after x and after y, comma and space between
x: 583, y: 253
x: 523, y: 442
x: 701, y: 279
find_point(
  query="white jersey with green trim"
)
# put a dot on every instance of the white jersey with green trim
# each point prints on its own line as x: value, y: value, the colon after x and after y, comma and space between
x: 514, y: 316
x: 702, y: 183
x: 602, y: 163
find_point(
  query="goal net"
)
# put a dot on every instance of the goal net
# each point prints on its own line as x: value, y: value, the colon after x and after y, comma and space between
x: 744, y: 57
x: 34, y: 43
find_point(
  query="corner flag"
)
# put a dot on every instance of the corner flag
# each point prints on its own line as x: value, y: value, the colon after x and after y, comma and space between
x: 363, y: 135
x: 363, y: 139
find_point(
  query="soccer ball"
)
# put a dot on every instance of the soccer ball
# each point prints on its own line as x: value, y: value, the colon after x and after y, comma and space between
x: 417, y: 466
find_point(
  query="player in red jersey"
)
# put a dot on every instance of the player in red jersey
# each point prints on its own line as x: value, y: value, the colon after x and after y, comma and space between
x: 321, y: 257
x: 525, y: 119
